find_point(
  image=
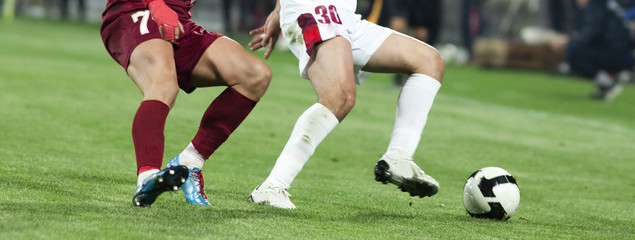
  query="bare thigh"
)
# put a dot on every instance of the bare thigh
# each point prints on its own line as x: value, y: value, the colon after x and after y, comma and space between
x: 331, y: 73
x: 152, y: 68
x: 404, y: 54
x: 227, y: 63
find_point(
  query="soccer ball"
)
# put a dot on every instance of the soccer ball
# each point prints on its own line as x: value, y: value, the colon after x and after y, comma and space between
x: 491, y: 192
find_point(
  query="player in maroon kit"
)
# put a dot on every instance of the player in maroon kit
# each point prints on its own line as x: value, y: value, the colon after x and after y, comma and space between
x: 162, y: 50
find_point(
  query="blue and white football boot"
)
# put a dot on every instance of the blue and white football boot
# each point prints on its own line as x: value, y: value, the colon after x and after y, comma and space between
x: 169, y: 179
x: 193, y: 188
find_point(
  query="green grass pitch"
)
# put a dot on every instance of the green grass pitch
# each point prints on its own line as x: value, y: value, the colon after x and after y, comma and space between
x: 68, y: 172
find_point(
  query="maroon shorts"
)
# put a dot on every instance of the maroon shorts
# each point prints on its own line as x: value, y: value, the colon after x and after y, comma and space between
x: 128, y: 24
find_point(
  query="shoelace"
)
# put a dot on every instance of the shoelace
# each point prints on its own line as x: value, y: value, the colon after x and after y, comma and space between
x: 199, y: 182
x: 275, y: 189
x: 283, y: 191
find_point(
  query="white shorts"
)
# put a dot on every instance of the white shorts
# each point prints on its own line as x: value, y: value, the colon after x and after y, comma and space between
x: 307, y: 23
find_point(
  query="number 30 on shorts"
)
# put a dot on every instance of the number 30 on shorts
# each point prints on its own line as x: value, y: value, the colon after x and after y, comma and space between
x: 328, y: 14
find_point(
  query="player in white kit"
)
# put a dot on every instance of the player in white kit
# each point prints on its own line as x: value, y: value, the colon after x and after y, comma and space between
x: 336, y: 50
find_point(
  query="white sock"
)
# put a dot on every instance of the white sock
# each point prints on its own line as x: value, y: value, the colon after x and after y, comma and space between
x: 191, y: 158
x: 142, y: 176
x: 310, y: 129
x: 415, y: 101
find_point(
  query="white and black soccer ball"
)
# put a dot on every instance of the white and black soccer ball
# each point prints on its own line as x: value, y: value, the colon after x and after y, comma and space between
x: 491, y: 192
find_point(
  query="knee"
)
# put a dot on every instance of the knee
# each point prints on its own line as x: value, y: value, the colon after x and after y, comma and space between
x: 255, y: 79
x: 261, y: 77
x: 346, y: 99
x: 339, y: 101
x: 428, y: 61
x: 156, y: 81
x: 164, y: 90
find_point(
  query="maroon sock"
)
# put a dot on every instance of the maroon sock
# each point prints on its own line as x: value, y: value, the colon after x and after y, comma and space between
x: 147, y: 134
x: 221, y: 118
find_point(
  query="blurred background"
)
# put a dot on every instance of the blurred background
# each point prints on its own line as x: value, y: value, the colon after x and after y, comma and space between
x: 592, y: 39
x: 245, y: 14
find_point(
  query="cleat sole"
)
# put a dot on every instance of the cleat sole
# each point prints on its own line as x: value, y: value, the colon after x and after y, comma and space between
x: 381, y: 172
x: 168, y: 179
x: 414, y: 186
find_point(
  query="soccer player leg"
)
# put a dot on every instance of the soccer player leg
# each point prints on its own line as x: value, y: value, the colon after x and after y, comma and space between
x: 331, y: 73
x: 152, y: 68
x: 425, y: 67
x: 310, y: 129
x: 326, y: 60
x: 224, y: 63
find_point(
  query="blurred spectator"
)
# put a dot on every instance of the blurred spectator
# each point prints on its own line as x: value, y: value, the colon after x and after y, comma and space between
x: 600, y: 47
x: 252, y: 13
x: 227, y: 17
x: 629, y: 16
x: 374, y: 11
x: 81, y: 9
x: 561, y: 14
x: 471, y: 22
x: 422, y: 19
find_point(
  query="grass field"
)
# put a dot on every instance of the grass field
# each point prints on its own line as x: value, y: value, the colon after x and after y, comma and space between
x: 68, y: 172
